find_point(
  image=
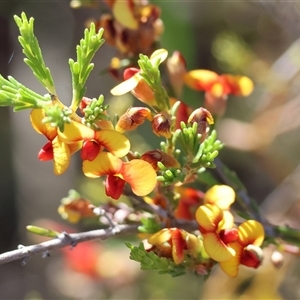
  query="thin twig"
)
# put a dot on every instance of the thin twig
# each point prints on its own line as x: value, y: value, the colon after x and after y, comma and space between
x: 72, y: 239
x: 64, y: 240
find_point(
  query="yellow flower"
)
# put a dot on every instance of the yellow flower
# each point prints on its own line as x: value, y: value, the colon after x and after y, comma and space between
x: 138, y: 173
x: 56, y: 148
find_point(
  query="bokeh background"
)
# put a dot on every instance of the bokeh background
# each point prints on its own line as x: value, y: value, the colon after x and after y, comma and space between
x: 260, y: 39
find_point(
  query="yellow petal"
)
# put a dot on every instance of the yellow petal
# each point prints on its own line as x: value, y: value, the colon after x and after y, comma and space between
x: 220, y: 195
x: 113, y: 141
x: 123, y: 11
x: 209, y: 216
x: 216, y: 248
x: 127, y: 85
x: 36, y: 117
x: 158, y: 56
x: 104, y: 164
x: 239, y: 85
x: 200, y: 80
x: 231, y: 266
x: 75, y: 132
x: 160, y: 237
x: 61, y: 156
x: 251, y: 232
x: 140, y: 175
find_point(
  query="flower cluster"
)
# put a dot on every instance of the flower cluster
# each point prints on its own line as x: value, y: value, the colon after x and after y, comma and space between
x: 180, y: 206
x: 220, y: 240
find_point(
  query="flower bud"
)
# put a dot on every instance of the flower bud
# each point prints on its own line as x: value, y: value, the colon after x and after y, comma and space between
x: 203, y: 118
x: 154, y: 156
x: 133, y: 117
x: 161, y: 125
x: 176, y: 66
x: 277, y: 259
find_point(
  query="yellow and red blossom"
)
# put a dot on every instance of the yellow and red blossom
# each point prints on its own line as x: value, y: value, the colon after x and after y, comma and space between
x: 132, y: 118
x: 137, y: 173
x: 189, y: 201
x: 133, y: 27
x: 56, y: 148
x: 135, y: 83
x: 76, y: 209
x: 215, y: 235
x: 218, y: 85
x: 174, y: 243
x: 94, y: 142
x: 247, y: 248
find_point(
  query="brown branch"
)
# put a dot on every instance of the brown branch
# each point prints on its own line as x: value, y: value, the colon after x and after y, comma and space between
x: 72, y: 239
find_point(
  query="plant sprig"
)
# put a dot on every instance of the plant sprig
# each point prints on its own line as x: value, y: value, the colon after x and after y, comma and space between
x: 151, y: 74
x: 82, y: 68
x: 34, y: 58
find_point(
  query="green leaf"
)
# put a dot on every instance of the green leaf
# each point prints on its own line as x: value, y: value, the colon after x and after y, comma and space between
x: 33, y: 52
x: 81, y: 69
x: 150, y: 261
x: 149, y: 225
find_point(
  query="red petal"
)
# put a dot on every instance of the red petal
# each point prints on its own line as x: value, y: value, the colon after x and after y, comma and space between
x: 90, y: 150
x: 46, y: 153
x: 114, y: 186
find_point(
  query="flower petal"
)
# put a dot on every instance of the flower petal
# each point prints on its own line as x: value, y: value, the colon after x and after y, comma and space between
x: 104, y: 164
x: 61, y: 156
x: 75, y: 132
x: 200, y: 80
x: 160, y: 237
x: 220, y: 195
x: 208, y: 217
x: 36, y: 117
x: 239, y: 85
x: 158, y: 56
x: 127, y: 85
x: 113, y: 141
x: 140, y: 175
x: 231, y: 266
x: 251, y: 232
x: 216, y: 248
x: 123, y: 11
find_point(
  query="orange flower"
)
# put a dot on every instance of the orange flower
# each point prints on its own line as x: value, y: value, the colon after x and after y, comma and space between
x: 248, y: 252
x: 175, y: 243
x: 217, y: 232
x: 218, y: 85
x: 138, y: 173
x: 135, y: 83
x: 94, y: 142
x: 189, y: 201
x: 55, y: 149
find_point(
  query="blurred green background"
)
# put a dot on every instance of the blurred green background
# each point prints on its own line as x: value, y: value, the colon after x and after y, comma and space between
x: 259, y: 39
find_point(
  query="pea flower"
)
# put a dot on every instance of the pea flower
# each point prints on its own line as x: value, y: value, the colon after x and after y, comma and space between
x: 217, y: 231
x: 248, y: 252
x: 174, y: 243
x: 56, y: 148
x: 94, y: 142
x: 189, y: 201
x: 218, y: 87
x: 138, y: 173
x: 135, y: 83
x: 133, y: 27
